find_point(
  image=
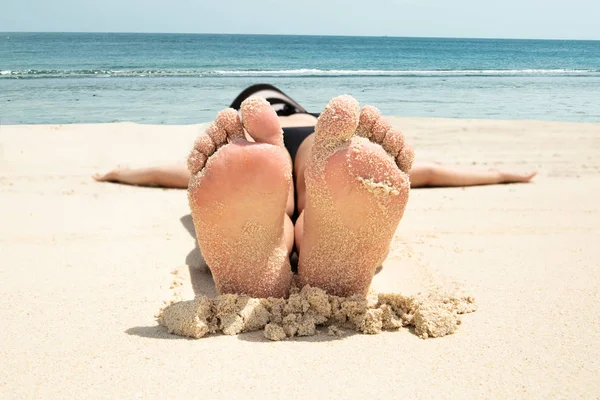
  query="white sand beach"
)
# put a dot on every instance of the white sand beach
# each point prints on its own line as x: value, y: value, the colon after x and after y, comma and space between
x: 85, y: 266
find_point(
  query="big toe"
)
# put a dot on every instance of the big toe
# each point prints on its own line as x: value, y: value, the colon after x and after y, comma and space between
x: 338, y: 121
x: 261, y: 121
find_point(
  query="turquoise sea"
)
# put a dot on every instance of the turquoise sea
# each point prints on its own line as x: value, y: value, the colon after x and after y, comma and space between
x: 181, y: 78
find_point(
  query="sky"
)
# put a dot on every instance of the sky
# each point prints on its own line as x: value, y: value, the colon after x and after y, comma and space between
x: 534, y: 19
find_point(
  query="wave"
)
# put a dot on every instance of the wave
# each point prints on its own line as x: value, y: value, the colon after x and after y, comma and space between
x: 408, y: 73
x: 304, y: 72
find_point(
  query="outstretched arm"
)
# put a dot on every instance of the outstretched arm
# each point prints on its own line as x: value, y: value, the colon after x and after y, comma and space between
x: 170, y: 176
x: 421, y: 175
x: 435, y: 175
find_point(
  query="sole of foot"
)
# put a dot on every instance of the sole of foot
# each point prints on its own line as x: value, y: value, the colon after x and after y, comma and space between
x: 356, y: 191
x: 238, y: 194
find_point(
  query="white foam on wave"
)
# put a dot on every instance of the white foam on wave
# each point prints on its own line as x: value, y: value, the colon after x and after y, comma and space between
x: 30, y: 73
x: 369, y: 72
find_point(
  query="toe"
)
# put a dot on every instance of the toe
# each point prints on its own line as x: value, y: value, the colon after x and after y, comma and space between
x: 204, y: 144
x: 204, y: 147
x: 380, y: 130
x: 229, y: 121
x: 217, y: 134
x: 261, y: 121
x: 373, y: 126
x: 404, y: 159
x: 226, y: 127
x: 339, y: 120
x: 368, y: 117
x: 196, y: 161
x: 393, y: 142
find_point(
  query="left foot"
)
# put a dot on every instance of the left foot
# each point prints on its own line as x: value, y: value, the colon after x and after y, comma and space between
x: 238, y: 193
x: 356, y: 191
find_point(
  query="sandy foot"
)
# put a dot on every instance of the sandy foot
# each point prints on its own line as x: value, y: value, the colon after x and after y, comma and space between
x: 356, y: 191
x: 238, y: 194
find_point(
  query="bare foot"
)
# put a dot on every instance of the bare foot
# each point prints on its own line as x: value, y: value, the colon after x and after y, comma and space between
x: 356, y: 191
x: 238, y: 193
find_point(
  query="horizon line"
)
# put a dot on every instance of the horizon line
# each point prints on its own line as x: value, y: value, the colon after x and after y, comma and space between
x: 310, y: 35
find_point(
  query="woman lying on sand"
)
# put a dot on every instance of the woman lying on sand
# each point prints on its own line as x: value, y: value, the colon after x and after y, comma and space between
x: 352, y: 179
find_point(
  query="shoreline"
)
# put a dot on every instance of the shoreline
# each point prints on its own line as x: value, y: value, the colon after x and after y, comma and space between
x: 395, y: 119
x: 294, y: 35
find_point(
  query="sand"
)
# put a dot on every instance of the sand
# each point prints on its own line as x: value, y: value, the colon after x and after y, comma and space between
x: 85, y: 266
x: 432, y: 315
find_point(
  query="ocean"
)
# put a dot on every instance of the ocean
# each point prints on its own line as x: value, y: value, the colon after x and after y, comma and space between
x: 57, y: 78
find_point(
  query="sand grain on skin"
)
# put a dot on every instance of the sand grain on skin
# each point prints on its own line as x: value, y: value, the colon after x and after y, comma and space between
x: 379, y: 193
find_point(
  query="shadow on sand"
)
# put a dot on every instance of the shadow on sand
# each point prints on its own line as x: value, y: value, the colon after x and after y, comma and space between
x: 204, y: 285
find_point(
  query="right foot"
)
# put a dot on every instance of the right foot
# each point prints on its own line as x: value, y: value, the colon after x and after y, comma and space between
x: 356, y: 191
x: 238, y: 193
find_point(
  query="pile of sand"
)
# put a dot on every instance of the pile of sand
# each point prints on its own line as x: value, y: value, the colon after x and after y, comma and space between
x: 432, y: 315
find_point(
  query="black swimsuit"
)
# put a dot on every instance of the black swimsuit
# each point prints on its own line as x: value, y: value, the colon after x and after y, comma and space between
x: 283, y: 105
x: 293, y: 138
